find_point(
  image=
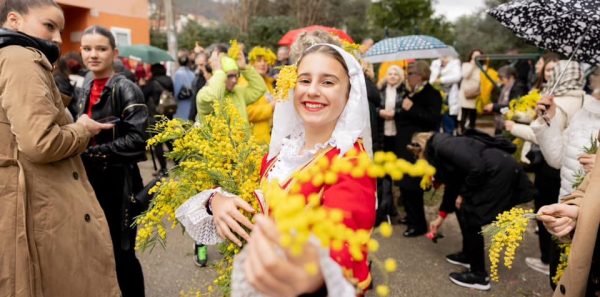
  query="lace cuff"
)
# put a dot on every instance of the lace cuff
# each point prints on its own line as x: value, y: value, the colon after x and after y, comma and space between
x: 336, y: 283
x: 196, y: 220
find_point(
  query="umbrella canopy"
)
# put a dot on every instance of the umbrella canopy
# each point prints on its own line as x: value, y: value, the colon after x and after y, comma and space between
x: 146, y: 53
x: 292, y: 35
x: 569, y: 27
x: 408, y: 47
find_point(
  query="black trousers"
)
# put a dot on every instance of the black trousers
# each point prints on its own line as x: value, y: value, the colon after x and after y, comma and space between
x: 415, y: 210
x: 468, y: 119
x: 108, y: 185
x: 473, y: 244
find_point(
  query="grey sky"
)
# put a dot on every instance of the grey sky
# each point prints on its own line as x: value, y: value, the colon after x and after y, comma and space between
x: 453, y: 9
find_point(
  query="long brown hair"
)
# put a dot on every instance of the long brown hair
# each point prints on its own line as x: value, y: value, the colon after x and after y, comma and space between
x: 22, y: 7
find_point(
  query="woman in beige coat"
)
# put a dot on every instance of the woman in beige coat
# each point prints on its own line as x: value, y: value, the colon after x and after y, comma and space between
x: 576, y: 220
x: 53, y: 234
x: 470, y: 88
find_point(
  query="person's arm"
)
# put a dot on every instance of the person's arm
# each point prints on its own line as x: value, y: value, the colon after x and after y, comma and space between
x: 453, y: 75
x: 132, y: 127
x: 26, y: 99
x: 428, y: 113
x: 213, y: 90
x: 256, y: 86
x: 178, y: 80
x: 550, y: 138
x: 356, y: 198
x: 524, y: 132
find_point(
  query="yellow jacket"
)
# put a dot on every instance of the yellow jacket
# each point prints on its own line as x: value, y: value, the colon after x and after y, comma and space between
x: 487, y: 87
x: 260, y: 114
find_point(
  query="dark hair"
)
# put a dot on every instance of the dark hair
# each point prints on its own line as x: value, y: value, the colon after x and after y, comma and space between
x: 324, y: 49
x: 22, y: 7
x: 507, y: 71
x: 183, y: 57
x: 158, y: 70
x: 470, y: 56
x: 541, y: 79
x: 101, y: 31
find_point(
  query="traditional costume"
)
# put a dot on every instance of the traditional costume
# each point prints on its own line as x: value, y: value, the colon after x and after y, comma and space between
x: 355, y: 196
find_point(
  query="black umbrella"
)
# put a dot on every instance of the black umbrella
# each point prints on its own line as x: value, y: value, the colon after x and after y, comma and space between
x: 569, y: 27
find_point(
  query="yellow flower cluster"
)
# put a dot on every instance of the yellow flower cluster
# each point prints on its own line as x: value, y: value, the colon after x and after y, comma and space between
x: 266, y: 53
x: 523, y: 109
x: 351, y: 48
x: 219, y: 152
x: 563, y: 262
x: 234, y: 50
x: 506, y: 233
x: 298, y: 218
x: 286, y: 81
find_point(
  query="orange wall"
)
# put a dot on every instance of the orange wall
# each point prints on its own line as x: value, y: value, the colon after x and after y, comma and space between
x: 79, y: 16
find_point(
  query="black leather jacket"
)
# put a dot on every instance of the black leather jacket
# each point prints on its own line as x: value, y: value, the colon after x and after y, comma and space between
x: 126, y: 142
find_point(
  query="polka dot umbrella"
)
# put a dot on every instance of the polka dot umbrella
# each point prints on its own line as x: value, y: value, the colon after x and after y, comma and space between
x: 408, y: 47
x: 569, y: 27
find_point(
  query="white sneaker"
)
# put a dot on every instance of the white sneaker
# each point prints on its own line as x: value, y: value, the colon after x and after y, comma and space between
x: 537, y: 265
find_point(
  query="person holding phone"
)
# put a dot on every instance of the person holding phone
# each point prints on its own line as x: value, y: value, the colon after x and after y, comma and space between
x: 111, y: 157
x: 54, y: 236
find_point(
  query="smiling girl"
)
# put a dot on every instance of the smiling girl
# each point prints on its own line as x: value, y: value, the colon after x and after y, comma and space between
x: 54, y: 239
x: 326, y: 116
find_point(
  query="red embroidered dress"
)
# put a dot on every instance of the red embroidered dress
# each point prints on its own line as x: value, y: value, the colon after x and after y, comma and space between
x: 354, y: 196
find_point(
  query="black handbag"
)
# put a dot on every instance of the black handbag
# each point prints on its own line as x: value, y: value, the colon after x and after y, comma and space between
x: 185, y: 93
x: 535, y: 156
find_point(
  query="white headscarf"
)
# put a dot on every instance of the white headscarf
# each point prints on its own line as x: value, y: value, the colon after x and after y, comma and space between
x: 352, y: 124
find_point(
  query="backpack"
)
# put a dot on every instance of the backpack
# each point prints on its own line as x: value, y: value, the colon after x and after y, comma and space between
x: 498, y: 142
x: 167, y: 105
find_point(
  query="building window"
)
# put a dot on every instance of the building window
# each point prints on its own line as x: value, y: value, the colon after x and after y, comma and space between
x: 122, y: 35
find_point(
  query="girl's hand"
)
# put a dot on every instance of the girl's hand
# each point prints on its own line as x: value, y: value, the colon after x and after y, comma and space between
x: 435, y: 225
x: 587, y: 161
x: 559, y: 218
x: 241, y: 61
x: 509, y: 125
x: 459, y: 201
x: 227, y: 217
x: 92, y: 126
x: 274, y: 272
x: 546, y: 108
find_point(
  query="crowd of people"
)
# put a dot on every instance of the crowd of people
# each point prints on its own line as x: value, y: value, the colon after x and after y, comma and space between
x: 75, y: 127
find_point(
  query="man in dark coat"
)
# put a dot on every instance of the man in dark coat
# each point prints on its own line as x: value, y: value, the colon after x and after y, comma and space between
x: 421, y: 111
x: 483, y: 181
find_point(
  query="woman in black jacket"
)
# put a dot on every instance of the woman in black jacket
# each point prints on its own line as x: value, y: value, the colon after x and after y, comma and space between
x: 480, y: 181
x: 420, y: 111
x: 112, y: 156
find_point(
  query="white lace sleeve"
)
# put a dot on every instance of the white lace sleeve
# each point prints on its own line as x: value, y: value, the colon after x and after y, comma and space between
x: 336, y: 283
x: 197, y: 222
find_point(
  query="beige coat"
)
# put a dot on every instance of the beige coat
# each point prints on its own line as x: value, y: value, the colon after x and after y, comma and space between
x: 470, y: 87
x: 53, y: 234
x: 575, y: 278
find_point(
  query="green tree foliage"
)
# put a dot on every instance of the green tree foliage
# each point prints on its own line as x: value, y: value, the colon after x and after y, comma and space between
x: 482, y: 31
x: 193, y: 33
x: 408, y: 17
x: 158, y: 39
x: 267, y: 31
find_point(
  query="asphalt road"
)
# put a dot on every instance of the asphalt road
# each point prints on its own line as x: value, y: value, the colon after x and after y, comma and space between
x: 422, y: 269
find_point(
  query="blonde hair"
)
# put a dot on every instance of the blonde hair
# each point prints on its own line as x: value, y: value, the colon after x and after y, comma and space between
x: 398, y: 70
x: 418, y: 144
